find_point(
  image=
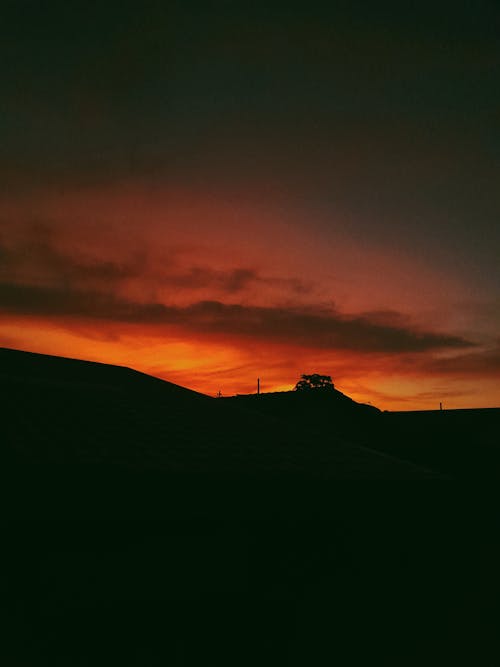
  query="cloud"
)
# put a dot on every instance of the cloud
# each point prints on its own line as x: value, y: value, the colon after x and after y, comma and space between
x: 229, y: 281
x: 45, y: 262
x: 484, y: 363
x: 414, y: 398
x: 313, y: 328
x: 40, y: 260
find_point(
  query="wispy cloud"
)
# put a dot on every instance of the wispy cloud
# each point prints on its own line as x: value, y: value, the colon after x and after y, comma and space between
x: 311, y: 328
x: 483, y: 363
x: 42, y: 260
x: 229, y: 281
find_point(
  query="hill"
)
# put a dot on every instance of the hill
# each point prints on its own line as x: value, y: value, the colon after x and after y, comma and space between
x: 320, y: 415
x: 317, y: 404
x: 88, y: 440
x: 29, y: 368
x: 459, y: 443
x: 82, y: 416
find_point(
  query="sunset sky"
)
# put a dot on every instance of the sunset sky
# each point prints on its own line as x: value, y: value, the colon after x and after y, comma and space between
x: 242, y: 190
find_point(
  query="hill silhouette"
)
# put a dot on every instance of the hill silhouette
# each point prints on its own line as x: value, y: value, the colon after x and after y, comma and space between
x: 18, y: 366
x: 288, y: 548
x: 459, y: 443
x: 87, y: 415
x: 70, y: 412
x: 317, y: 403
x: 462, y: 443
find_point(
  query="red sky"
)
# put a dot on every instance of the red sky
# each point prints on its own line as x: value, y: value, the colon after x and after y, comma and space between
x: 216, y: 198
x: 214, y: 291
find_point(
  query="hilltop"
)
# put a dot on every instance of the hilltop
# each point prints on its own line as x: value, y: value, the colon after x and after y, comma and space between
x: 82, y: 416
x: 460, y: 443
x: 321, y: 415
x: 100, y: 419
x: 291, y: 403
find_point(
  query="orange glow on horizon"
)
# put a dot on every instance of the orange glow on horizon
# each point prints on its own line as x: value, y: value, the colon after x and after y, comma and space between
x: 210, y: 367
x: 151, y: 248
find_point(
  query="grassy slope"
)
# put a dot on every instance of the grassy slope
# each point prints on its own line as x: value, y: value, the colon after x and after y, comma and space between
x: 460, y: 443
x: 65, y: 412
x: 287, y: 566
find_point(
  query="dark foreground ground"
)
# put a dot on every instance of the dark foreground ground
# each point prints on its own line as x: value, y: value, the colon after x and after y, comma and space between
x: 353, y: 586
x: 147, y: 525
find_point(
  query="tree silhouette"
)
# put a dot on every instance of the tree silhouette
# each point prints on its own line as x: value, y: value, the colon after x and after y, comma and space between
x: 314, y: 382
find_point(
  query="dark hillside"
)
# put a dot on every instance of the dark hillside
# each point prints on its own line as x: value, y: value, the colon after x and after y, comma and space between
x: 322, y: 416
x: 249, y: 548
x: 329, y: 411
x: 289, y: 403
x: 79, y: 416
x: 17, y: 366
x: 462, y: 443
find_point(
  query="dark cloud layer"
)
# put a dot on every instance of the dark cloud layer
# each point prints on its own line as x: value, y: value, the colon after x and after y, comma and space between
x: 230, y: 281
x: 311, y: 328
x: 160, y: 154
x: 372, y: 113
x: 485, y: 363
x: 41, y: 259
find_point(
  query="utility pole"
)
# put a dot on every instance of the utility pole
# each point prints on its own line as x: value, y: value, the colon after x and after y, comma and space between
x: 258, y: 386
x: 440, y: 406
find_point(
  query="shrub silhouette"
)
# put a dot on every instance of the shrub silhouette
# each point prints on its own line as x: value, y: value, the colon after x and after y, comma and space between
x: 314, y: 382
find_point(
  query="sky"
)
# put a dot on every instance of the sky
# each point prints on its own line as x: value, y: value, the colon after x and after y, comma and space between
x: 214, y: 192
